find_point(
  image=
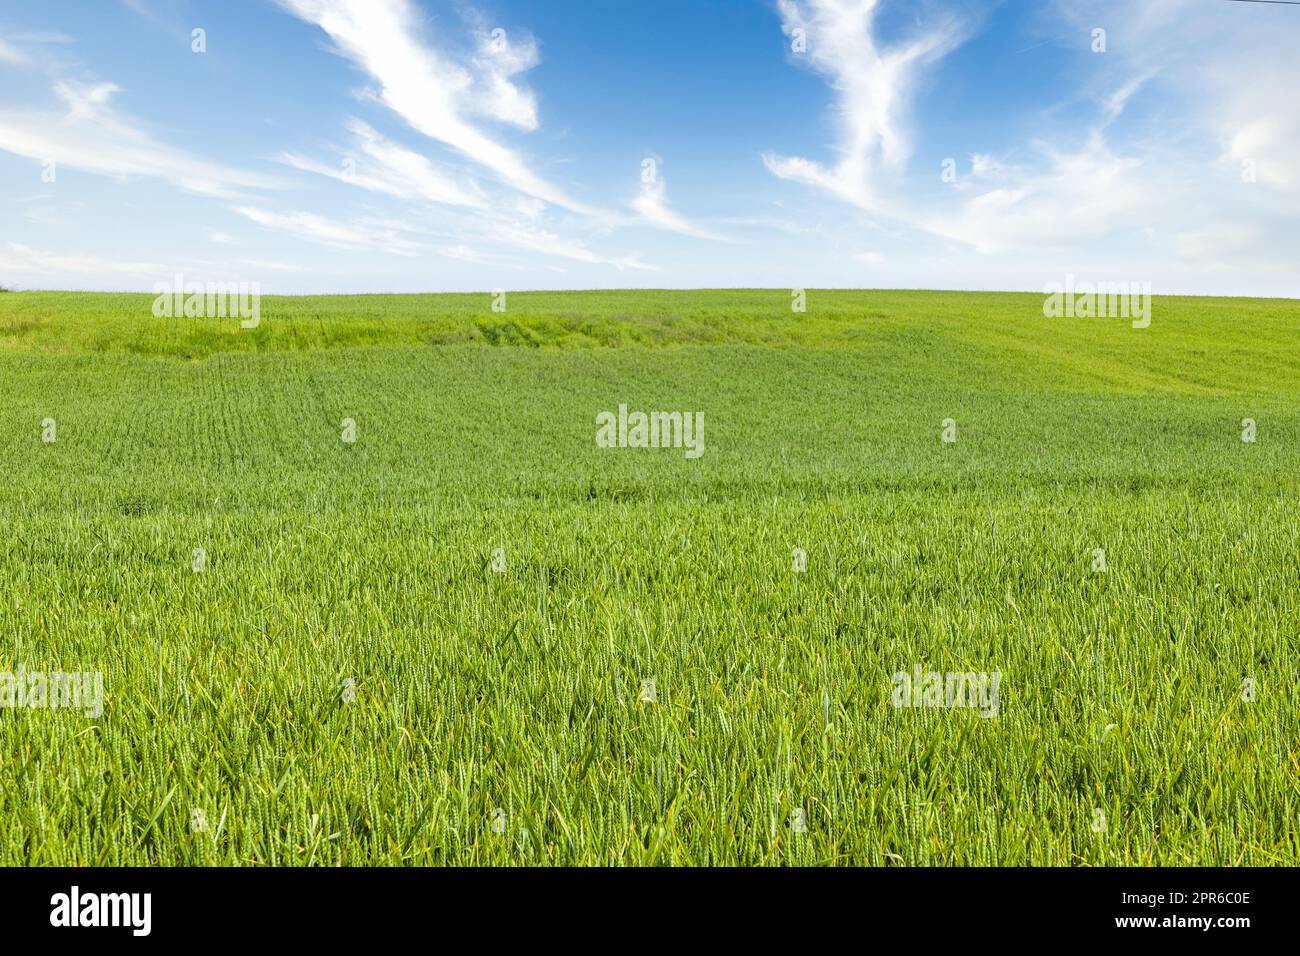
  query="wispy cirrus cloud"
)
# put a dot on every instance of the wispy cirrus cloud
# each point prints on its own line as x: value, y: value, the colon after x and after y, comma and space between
x: 651, y: 204
x: 387, y: 167
x: 498, y: 59
x: 532, y: 238
x: 873, y: 86
x: 386, y: 235
x: 11, y: 54
x: 440, y: 95
x: 13, y: 45
x: 1066, y: 197
x: 1171, y: 145
x: 24, y: 264
x: 462, y: 239
x: 23, y: 260
x: 1208, y: 178
x: 91, y: 135
x: 42, y: 37
x: 1041, y: 207
x: 435, y: 94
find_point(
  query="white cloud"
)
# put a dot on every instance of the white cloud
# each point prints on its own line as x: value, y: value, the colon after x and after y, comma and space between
x: 11, y: 54
x: 1220, y: 69
x: 395, y: 237
x: 429, y: 90
x: 1064, y: 199
x: 386, y: 236
x: 272, y: 265
x: 11, y: 46
x: 500, y: 58
x: 23, y: 260
x: 651, y: 204
x: 1222, y: 242
x: 985, y: 167
x: 461, y: 253
x: 1077, y: 197
x: 873, y: 86
x: 392, y: 169
x: 85, y: 101
x: 1262, y: 137
x: 1167, y: 187
x: 534, y: 239
x: 42, y: 37
x: 434, y: 94
x: 772, y: 223
x: 1116, y: 102
x: 91, y: 136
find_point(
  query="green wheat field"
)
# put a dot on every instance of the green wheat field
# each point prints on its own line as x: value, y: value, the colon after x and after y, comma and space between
x: 350, y: 681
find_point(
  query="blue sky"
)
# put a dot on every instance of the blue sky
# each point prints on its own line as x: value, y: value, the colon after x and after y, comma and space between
x: 426, y: 145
